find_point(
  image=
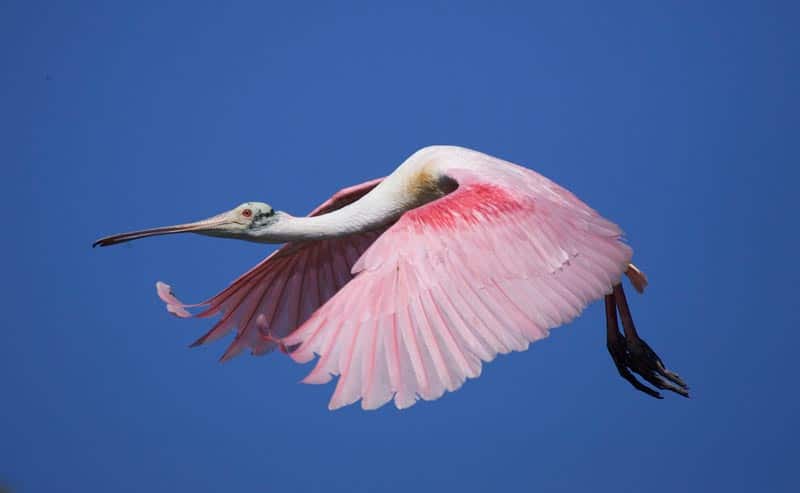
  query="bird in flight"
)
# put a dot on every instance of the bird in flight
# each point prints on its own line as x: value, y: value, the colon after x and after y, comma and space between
x: 404, y: 285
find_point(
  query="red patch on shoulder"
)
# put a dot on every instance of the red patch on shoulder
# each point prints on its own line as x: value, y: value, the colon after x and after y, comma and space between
x: 470, y: 203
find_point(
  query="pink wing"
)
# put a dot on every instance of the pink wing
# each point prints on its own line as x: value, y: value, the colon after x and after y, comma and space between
x: 273, y: 298
x: 484, y: 270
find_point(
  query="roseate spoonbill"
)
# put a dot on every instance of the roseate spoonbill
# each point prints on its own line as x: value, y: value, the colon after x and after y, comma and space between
x: 404, y: 285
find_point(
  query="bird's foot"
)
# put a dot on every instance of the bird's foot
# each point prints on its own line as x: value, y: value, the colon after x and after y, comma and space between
x: 635, y: 355
x: 632, y: 354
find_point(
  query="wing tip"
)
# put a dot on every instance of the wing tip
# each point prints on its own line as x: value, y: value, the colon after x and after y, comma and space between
x: 198, y: 342
x: 317, y: 378
x: 174, y: 305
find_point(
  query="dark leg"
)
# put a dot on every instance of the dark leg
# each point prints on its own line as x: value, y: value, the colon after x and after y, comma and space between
x: 615, y: 342
x: 632, y: 353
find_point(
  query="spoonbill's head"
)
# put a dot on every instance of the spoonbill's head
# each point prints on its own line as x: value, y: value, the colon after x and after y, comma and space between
x: 240, y: 222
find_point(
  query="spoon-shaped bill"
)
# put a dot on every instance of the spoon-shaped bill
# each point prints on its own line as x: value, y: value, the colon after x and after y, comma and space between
x: 195, y: 227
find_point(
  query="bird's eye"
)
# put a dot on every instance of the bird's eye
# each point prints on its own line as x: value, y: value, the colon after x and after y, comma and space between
x: 247, y: 212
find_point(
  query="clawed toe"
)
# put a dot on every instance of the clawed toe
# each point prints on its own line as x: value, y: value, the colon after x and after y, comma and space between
x: 621, y: 359
x: 646, y: 363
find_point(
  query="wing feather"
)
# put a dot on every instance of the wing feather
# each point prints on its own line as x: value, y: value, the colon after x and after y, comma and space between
x: 378, y: 388
x: 487, y: 269
x: 272, y: 299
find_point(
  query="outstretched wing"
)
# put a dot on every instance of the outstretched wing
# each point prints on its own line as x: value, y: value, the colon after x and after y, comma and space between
x: 484, y: 270
x: 273, y: 298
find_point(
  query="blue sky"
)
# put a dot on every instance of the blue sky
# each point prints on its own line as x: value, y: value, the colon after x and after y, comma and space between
x: 676, y: 120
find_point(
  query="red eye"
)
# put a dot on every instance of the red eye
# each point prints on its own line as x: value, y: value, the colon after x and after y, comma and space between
x: 247, y: 212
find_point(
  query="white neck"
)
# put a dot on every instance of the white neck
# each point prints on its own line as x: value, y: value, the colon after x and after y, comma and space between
x: 366, y: 214
x: 414, y: 183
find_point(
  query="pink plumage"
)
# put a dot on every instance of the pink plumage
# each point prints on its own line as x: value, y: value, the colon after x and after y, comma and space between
x: 404, y: 286
x: 283, y: 289
x: 484, y: 270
